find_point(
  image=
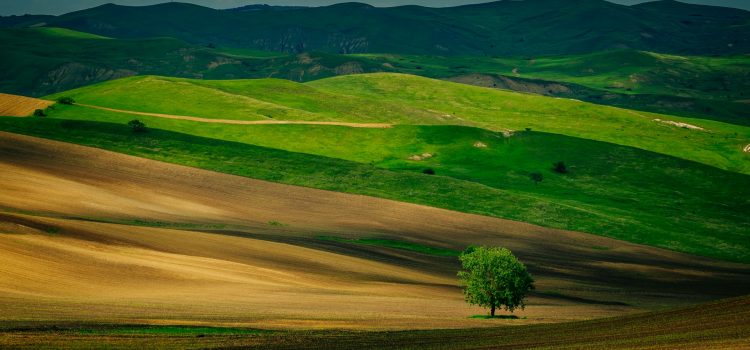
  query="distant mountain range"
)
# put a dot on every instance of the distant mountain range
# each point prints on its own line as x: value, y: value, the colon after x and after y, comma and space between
x: 502, y: 28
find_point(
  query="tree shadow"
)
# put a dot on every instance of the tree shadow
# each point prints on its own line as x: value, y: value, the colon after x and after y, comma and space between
x: 501, y: 317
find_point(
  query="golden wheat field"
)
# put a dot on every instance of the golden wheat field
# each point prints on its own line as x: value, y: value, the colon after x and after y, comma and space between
x: 20, y: 106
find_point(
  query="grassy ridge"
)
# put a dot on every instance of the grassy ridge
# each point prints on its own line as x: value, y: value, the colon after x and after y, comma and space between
x: 40, y: 61
x: 611, y: 190
x: 617, y: 71
x: 63, y: 33
x: 719, y: 145
x: 45, y: 60
x: 692, y: 86
x: 405, y: 99
x: 251, y: 99
x: 395, y: 244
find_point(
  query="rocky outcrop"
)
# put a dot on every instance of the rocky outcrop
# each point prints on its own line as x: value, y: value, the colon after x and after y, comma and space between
x: 72, y: 75
x: 506, y: 83
x: 345, y: 44
x: 349, y: 68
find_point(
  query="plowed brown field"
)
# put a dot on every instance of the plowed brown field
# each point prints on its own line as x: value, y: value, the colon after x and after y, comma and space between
x: 228, y: 266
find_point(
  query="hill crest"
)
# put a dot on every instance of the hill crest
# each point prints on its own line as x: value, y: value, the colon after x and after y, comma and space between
x: 509, y: 28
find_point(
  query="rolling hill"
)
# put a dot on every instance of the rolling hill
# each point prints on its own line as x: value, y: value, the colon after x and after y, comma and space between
x: 406, y: 99
x: 310, y: 177
x: 116, y: 232
x: 509, y: 28
x: 47, y: 60
x: 709, y: 87
x: 621, y: 192
x: 602, y: 195
x: 40, y: 61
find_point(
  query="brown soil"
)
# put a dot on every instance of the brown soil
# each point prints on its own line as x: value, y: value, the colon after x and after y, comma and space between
x: 57, y: 264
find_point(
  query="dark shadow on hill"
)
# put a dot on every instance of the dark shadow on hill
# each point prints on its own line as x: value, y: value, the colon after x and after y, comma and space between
x: 496, y: 317
x: 560, y: 296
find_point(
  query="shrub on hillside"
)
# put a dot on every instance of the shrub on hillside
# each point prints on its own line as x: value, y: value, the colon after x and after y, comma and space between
x: 560, y: 167
x: 40, y: 113
x: 537, y: 177
x: 137, y: 125
x: 66, y: 100
x: 429, y: 171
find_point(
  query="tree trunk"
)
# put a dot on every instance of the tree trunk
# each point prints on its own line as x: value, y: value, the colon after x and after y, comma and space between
x: 492, y: 311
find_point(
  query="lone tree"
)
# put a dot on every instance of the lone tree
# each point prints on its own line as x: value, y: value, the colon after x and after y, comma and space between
x: 494, y: 278
x: 537, y: 177
x: 137, y: 125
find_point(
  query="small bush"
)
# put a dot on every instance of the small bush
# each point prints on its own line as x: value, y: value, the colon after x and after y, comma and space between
x: 40, y: 113
x: 537, y: 177
x: 560, y: 167
x: 429, y: 171
x: 66, y: 100
x: 528, y: 129
x: 137, y: 125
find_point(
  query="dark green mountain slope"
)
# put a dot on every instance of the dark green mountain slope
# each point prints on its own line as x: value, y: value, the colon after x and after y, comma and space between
x: 40, y: 61
x: 530, y: 27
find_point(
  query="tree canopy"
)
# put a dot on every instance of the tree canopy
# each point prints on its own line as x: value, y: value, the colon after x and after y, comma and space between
x: 494, y: 278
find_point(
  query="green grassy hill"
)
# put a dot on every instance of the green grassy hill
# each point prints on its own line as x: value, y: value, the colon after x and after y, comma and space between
x: 610, y: 190
x: 47, y: 60
x: 625, y: 72
x: 406, y: 99
x: 63, y: 33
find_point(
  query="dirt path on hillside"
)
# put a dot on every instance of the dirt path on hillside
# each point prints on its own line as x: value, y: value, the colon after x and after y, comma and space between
x: 242, y: 122
x: 260, y: 263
